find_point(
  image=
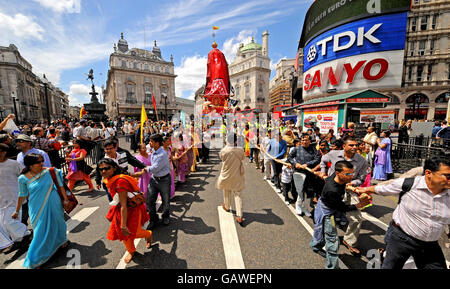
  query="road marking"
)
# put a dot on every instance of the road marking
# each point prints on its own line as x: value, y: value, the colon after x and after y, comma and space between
x: 72, y: 223
x: 231, y: 247
x: 374, y: 220
x: 302, y: 221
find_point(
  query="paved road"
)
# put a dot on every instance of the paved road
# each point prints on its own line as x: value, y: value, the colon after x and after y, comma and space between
x: 202, y: 236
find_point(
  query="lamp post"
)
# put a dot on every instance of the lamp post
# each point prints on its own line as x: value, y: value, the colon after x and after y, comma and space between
x: 165, y: 104
x: 291, y: 79
x: 14, y: 98
x: 45, y: 84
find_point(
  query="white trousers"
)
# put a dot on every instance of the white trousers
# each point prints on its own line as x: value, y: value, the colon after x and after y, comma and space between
x: 237, y: 201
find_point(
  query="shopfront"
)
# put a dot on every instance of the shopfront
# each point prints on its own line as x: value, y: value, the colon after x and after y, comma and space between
x: 364, y: 108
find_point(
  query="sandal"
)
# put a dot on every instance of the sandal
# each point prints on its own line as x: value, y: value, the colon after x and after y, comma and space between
x: 381, y: 252
x: 353, y: 250
x: 128, y: 258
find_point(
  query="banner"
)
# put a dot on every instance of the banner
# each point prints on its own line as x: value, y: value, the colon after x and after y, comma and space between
x: 325, y: 118
x: 144, y: 118
x: 380, y: 116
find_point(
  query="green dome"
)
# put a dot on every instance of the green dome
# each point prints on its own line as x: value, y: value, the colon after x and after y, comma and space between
x: 251, y: 46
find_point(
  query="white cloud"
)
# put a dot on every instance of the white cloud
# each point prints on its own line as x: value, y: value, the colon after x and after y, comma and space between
x: 191, y: 75
x: 62, y: 6
x: 21, y: 26
x: 231, y: 45
x: 79, y: 94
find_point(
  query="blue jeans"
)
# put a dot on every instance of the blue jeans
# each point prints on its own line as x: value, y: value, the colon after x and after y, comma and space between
x: 331, y: 240
x: 299, y: 181
x: 162, y: 187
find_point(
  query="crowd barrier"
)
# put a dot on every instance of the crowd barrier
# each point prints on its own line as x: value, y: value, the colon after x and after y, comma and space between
x: 407, y: 156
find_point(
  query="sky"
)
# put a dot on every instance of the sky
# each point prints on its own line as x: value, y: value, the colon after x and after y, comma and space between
x: 64, y: 39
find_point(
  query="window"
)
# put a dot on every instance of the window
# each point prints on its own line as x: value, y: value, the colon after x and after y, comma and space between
x: 424, y: 23
x: 157, y: 68
x: 167, y: 69
x: 422, y: 47
x: 130, y: 94
x: 411, y: 48
x: 147, y: 67
x: 434, y: 22
x: 124, y: 63
x: 413, y: 24
x: 431, y: 46
x: 135, y: 65
x: 247, y: 91
x: 260, y: 88
x: 430, y: 72
x: 0, y: 83
x: 238, y: 91
x: 148, y: 94
x: 416, y: 1
x: 130, y: 78
x: 419, y: 72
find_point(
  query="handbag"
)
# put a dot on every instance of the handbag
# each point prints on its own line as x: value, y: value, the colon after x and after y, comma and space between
x: 73, y: 202
x: 136, y: 200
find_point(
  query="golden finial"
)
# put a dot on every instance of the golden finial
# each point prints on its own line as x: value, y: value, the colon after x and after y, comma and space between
x: 214, y: 45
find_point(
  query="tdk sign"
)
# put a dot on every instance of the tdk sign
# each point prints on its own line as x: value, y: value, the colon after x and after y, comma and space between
x: 369, y: 35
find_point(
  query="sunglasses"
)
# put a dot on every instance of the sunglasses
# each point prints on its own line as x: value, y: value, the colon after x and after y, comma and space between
x: 447, y: 176
x: 104, y: 169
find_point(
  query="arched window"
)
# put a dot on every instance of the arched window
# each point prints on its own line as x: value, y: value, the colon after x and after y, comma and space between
x: 415, y: 108
x: 443, y: 98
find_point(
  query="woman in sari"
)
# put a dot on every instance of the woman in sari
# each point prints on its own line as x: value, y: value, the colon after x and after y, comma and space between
x: 78, y: 169
x: 145, y: 158
x: 126, y: 222
x: 247, y: 140
x: 167, y: 145
x: 383, y: 165
x: 45, y: 210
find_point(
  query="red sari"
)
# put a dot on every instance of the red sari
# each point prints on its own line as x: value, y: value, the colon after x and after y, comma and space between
x: 118, y: 184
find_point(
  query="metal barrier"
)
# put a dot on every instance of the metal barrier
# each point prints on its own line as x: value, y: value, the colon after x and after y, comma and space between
x: 405, y: 156
x: 428, y: 142
x: 92, y: 158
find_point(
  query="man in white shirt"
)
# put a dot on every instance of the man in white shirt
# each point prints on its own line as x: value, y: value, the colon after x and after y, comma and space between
x: 11, y: 230
x: 371, y: 139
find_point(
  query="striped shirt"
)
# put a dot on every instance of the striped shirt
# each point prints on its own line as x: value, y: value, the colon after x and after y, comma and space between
x: 421, y: 214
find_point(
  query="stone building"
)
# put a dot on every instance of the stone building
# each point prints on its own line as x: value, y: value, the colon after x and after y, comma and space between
x: 250, y: 74
x: 134, y: 76
x: 280, y: 85
x: 17, y: 81
x: 426, y: 71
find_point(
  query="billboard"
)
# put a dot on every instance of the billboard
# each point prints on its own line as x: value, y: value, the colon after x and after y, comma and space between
x: 363, y: 54
x: 381, y: 116
x: 325, y: 118
x: 327, y: 14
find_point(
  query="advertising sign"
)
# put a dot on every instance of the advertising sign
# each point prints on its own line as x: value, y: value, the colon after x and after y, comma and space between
x: 380, y: 116
x: 366, y: 71
x: 375, y: 34
x: 327, y: 14
x: 325, y: 118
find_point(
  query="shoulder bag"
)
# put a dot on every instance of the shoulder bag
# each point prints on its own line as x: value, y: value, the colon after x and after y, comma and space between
x: 73, y: 202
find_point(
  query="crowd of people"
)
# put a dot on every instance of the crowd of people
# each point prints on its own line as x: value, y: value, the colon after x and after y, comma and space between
x: 328, y: 176
x: 336, y: 173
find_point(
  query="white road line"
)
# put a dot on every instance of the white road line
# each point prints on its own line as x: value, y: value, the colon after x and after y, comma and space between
x: 375, y: 221
x: 72, y: 223
x: 302, y: 221
x: 231, y: 247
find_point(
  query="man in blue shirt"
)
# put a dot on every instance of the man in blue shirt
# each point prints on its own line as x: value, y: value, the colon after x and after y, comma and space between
x: 160, y: 181
x: 437, y: 127
x: 277, y: 148
x: 24, y: 143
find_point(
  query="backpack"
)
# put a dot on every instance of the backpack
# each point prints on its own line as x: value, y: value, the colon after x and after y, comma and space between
x: 406, y: 187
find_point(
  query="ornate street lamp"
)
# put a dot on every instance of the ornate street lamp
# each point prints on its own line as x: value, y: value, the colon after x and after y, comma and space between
x: 165, y: 104
x: 14, y: 98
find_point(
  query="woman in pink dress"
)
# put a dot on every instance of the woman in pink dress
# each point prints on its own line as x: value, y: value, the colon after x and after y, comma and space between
x: 144, y: 157
x: 167, y: 145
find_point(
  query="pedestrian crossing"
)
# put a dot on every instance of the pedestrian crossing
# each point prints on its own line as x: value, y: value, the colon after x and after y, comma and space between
x: 409, y: 263
x: 72, y: 223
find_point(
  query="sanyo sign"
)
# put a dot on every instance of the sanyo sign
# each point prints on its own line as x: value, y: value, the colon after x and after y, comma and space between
x: 382, y: 33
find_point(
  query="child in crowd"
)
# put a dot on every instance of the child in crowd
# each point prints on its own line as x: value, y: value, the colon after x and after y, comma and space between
x: 286, y: 180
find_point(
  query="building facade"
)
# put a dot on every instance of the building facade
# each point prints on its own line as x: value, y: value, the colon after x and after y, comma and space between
x: 423, y: 88
x: 19, y: 84
x: 280, y: 87
x: 250, y: 74
x: 134, y: 77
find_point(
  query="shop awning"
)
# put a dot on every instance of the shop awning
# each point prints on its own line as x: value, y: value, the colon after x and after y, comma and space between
x: 360, y: 96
